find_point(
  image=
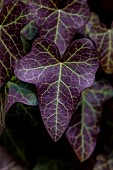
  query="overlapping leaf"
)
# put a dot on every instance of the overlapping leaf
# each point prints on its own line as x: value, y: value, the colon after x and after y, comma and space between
x: 103, y: 39
x: 94, y: 19
x: 13, y: 17
x: 28, y: 34
x: 83, y: 131
x: 59, y: 20
x: 30, y: 30
x: 15, y: 91
x: 59, y: 81
x: 104, y: 163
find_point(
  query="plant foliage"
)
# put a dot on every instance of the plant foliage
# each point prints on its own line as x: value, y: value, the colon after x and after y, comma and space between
x: 44, y: 64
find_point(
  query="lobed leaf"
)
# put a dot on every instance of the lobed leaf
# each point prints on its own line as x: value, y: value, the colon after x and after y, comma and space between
x: 82, y: 132
x: 103, y: 39
x: 13, y: 17
x: 15, y: 91
x: 60, y: 20
x: 59, y: 82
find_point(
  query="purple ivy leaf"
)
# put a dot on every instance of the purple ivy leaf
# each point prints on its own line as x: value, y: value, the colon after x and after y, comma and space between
x: 82, y: 132
x: 15, y: 91
x: 103, y: 39
x: 59, y: 20
x: 4, y: 2
x: 13, y: 17
x: 94, y: 19
x: 59, y: 81
x: 104, y: 162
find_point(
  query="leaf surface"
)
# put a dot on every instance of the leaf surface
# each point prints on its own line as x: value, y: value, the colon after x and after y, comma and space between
x: 82, y: 132
x: 103, y: 39
x: 59, y: 20
x: 30, y: 30
x: 28, y: 34
x: 94, y: 19
x: 15, y: 91
x: 13, y: 17
x: 59, y: 82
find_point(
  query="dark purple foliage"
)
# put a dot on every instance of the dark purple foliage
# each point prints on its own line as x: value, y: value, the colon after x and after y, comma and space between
x: 59, y: 21
x: 59, y: 81
x: 40, y: 41
x: 13, y: 17
x: 82, y: 132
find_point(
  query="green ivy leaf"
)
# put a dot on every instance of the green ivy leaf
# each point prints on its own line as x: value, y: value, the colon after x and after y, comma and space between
x: 15, y: 91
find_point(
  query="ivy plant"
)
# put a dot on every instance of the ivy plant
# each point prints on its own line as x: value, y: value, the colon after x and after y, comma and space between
x: 43, y: 64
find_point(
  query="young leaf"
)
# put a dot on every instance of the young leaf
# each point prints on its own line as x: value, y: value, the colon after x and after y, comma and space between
x: 82, y: 132
x: 28, y: 34
x: 104, y: 163
x: 15, y: 91
x: 59, y: 20
x: 29, y: 31
x: 13, y: 17
x: 103, y: 39
x: 59, y: 81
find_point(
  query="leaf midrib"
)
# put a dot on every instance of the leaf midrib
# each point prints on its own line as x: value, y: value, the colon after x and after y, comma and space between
x: 57, y: 99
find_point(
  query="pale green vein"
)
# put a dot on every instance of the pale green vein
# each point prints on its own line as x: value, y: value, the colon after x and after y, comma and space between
x: 73, y: 71
x: 53, y: 4
x: 109, y: 50
x: 57, y: 99
x: 48, y: 52
x: 71, y: 55
x: 11, y: 39
x: 68, y: 90
x: 42, y: 67
x: 82, y: 124
x: 7, y: 49
x: 9, y: 12
x: 57, y: 26
x: 6, y: 69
